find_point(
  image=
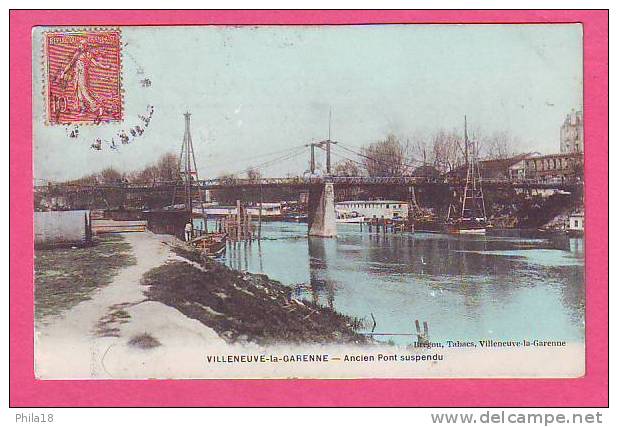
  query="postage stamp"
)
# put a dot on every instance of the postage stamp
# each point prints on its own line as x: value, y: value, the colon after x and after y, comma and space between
x: 83, y: 76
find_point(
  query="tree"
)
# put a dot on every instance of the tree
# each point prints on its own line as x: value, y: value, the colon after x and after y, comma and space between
x: 448, y: 152
x: 499, y: 145
x: 110, y: 176
x: 168, y: 167
x: 422, y: 149
x: 91, y: 179
x: 228, y: 178
x: 147, y: 175
x: 254, y: 174
x: 385, y: 158
x: 346, y: 168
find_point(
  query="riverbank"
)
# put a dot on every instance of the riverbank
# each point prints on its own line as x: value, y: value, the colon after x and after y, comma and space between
x: 245, y: 307
x: 144, y: 322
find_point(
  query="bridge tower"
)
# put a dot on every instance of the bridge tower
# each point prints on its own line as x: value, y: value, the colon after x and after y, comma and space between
x: 321, y: 215
x: 189, y: 176
x: 322, y: 218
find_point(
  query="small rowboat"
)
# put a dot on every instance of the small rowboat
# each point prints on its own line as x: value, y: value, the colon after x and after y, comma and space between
x: 213, y: 244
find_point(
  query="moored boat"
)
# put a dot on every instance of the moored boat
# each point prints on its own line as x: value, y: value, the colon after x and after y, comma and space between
x: 349, y: 217
x: 356, y: 211
x: 466, y: 226
x: 295, y: 217
x: 351, y: 220
x: 213, y: 244
x: 471, y: 218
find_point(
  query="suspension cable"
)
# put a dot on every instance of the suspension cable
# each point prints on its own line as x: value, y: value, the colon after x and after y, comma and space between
x: 385, y: 162
x: 272, y: 153
x: 289, y: 155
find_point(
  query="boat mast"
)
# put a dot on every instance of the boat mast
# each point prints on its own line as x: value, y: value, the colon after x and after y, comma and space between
x: 466, y: 140
x: 469, y: 165
x: 473, y: 189
x: 189, y: 147
x: 480, y: 192
x: 188, y: 169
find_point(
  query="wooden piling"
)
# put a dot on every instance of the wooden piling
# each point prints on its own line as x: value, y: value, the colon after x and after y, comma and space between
x: 238, y: 221
x: 422, y: 337
x: 248, y: 225
x: 260, y: 215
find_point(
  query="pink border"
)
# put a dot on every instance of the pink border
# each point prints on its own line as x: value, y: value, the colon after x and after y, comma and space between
x: 591, y: 390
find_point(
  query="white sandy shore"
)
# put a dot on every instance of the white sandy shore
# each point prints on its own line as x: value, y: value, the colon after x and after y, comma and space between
x: 67, y: 347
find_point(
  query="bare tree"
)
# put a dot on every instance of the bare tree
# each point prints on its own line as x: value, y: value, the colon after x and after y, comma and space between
x: 254, y: 174
x: 498, y: 145
x: 148, y: 175
x: 168, y: 167
x: 385, y: 158
x: 422, y: 149
x: 91, y: 179
x: 346, y: 168
x: 228, y: 178
x: 448, y: 153
x: 110, y: 176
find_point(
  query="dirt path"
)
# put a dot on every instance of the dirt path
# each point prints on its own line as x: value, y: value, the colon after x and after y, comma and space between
x: 91, y: 340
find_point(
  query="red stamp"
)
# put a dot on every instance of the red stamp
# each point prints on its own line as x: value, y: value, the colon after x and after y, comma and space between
x: 84, y: 83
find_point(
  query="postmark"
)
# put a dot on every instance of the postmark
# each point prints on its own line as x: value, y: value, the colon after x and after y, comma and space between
x: 83, y: 76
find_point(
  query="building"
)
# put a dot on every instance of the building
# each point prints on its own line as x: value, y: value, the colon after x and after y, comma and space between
x: 576, y: 222
x: 387, y: 209
x: 572, y: 133
x: 62, y: 228
x: 507, y: 168
x: 563, y: 166
x: 534, y: 166
x: 270, y: 211
x: 519, y: 169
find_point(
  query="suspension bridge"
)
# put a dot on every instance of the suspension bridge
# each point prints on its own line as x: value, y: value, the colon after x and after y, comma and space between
x: 320, y: 185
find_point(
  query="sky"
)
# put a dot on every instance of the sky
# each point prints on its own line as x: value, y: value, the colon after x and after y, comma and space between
x: 259, y: 90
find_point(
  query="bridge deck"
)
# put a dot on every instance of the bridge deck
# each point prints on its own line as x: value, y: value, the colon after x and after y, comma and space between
x: 338, y: 181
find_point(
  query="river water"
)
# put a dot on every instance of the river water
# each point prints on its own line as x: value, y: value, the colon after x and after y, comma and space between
x: 465, y: 287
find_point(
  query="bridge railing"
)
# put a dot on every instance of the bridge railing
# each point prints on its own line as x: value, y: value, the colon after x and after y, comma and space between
x: 305, y: 181
x: 238, y: 182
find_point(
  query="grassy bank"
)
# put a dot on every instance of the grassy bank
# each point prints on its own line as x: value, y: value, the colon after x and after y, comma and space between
x: 63, y: 277
x: 243, y: 306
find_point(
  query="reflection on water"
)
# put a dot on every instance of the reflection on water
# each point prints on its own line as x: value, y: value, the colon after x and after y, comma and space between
x: 466, y: 287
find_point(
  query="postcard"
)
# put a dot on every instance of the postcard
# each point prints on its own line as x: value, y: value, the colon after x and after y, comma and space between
x: 294, y: 201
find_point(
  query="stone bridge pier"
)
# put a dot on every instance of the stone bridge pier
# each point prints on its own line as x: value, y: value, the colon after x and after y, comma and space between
x: 321, y: 211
